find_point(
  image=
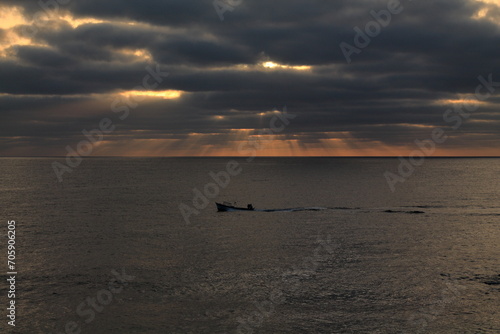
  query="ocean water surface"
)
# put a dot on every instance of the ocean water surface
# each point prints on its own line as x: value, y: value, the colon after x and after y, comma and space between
x: 108, y: 249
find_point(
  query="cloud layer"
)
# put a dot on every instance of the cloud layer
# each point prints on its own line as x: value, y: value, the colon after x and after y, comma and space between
x: 62, y: 69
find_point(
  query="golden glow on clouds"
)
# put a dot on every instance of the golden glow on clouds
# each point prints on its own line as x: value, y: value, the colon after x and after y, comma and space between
x: 226, y: 143
x: 267, y: 113
x: 162, y: 94
x: 481, y: 13
x: 269, y: 64
x: 10, y: 17
x: 273, y: 65
x: 264, y: 66
x: 485, y: 121
x: 461, y: 101
x: 139, y: 54
x: 421, y: 126
x: 76, y: 22
x: 406, y: 125
x: 492, y: 2
x: 489, y: 7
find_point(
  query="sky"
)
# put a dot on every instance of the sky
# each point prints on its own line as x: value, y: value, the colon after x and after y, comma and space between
x: 228, y: 70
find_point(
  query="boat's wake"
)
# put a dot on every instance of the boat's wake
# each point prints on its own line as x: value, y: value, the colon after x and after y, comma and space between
x: 292, y: 209
x: 318, y: 208
x: 415, y: 209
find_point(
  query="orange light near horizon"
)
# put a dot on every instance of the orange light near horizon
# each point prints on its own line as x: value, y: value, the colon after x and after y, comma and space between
x: 197, y: 145
x: 228, y: 144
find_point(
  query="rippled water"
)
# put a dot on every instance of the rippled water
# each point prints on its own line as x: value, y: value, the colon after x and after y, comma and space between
x: 424, y: 259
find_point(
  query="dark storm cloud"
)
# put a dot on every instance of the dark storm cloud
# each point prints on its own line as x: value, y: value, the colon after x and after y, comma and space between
x: 101, y: 35
x: 430, y: 51
x: 43, y: 57
x: 20, y: 78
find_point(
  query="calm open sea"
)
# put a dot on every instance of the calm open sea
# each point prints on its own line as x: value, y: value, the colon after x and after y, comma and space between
x: 108, y: 250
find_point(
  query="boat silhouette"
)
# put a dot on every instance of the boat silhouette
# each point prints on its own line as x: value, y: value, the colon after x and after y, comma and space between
x: 228, y: 207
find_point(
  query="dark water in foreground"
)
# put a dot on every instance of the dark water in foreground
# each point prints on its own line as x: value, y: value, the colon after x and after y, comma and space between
x: 424, y: 259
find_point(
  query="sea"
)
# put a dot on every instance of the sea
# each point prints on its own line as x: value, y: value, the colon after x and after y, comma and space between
x: 136, y: 245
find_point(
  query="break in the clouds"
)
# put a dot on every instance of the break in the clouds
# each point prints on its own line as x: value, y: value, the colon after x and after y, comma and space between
x: 64, y: 63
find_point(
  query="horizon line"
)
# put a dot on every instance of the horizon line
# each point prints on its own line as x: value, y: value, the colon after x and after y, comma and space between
x: 266, y: 156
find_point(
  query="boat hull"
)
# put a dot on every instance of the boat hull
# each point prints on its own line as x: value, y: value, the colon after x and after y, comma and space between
x: 223, y: 208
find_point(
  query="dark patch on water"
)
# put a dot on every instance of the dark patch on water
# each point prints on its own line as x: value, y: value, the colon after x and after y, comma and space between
x: 486, y: 279
x: 410, y: 212
x: 292, y: 209
x: 425, y: 206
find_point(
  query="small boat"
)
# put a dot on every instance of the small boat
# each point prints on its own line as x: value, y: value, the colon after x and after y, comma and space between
x: 228, y: 207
